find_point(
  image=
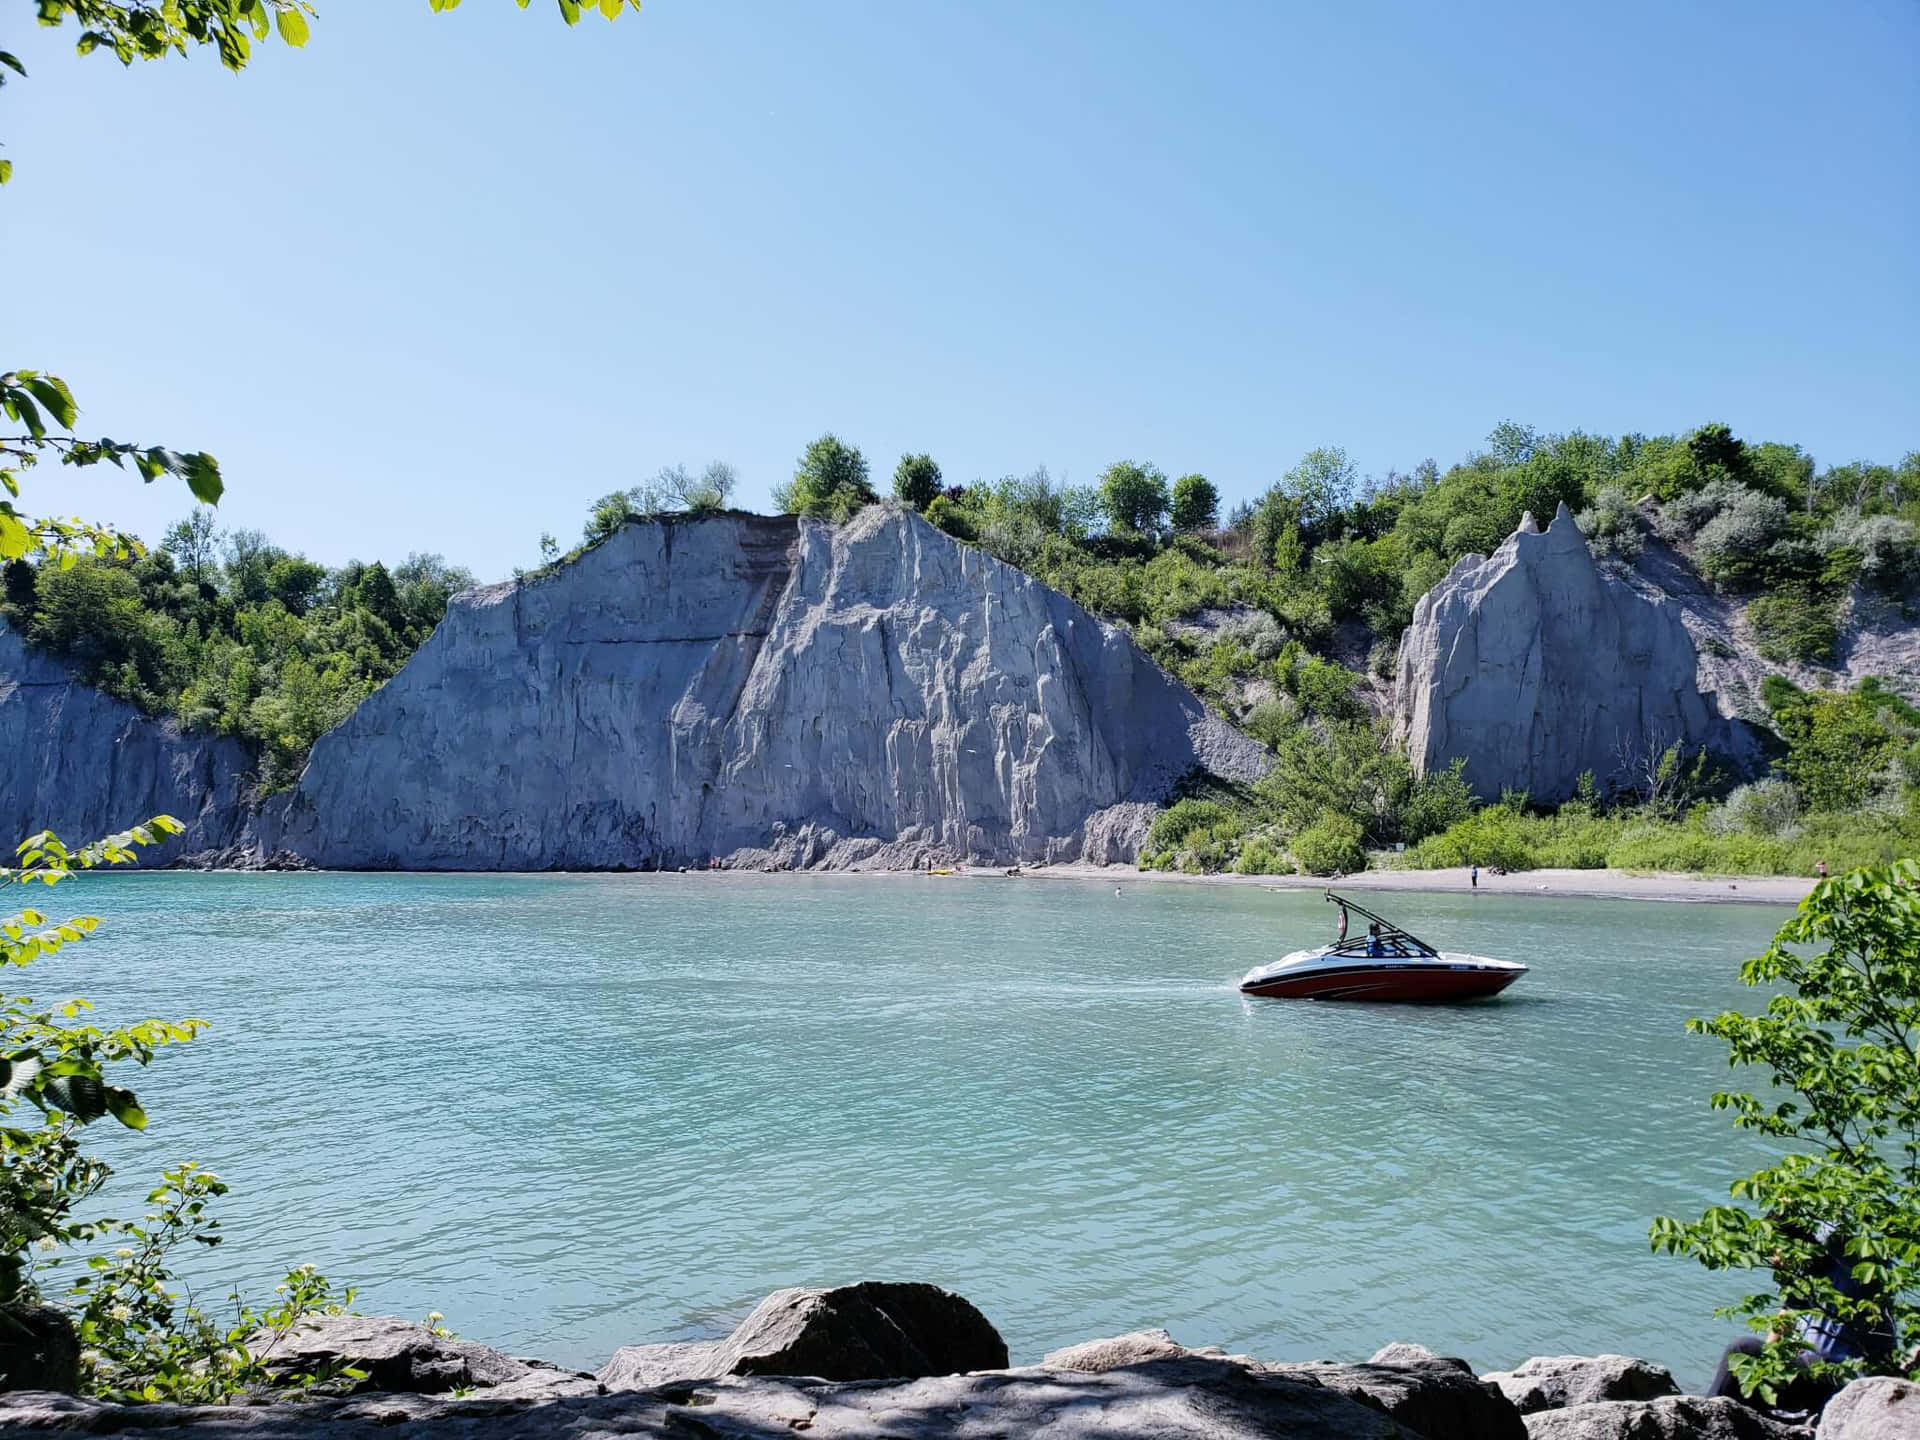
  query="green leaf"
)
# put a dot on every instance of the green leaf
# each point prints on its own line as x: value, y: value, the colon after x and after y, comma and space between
x: 55, y: 396
x: 15, y: 539
x: 125, y: 1108
x: 12, y: 62
x: 202, y: 473
x: 570, y: 11
x: 292, y: 26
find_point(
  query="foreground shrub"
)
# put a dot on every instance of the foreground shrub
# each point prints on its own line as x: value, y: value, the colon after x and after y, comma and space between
x: 1840, y: 1096
x: 1495, y: 837
x: 1613, y: 525
x: 1797, y: 622
x: 1766, y: 807
x: 141, y: 1340
x: 1882, y: 544
x: 1183, y: 819
x: 1330, y: 846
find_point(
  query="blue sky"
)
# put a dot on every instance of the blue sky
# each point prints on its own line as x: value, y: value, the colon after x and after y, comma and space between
x: 435, y: 282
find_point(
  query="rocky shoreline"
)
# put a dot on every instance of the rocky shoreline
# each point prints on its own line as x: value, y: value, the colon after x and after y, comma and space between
x: 865, y: 1361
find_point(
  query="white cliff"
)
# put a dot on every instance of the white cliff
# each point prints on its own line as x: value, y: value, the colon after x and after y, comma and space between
x: 772, y: 691
x: 83, y: 764
x: 1534, y: 665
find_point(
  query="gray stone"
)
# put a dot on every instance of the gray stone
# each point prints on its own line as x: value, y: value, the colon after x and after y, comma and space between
x: 1880, y: 1407
x: 1137, y: 1347
x: 780, y: 692
x: 1440, y: 1399
x: 38, y: 1349
x: 1553, y: 1382
x: 869, y: 1331
x: 1672, y: 1417
x: 1534, y: 665
x: 400, y: 1356
x: 84, y: 765
x: 1401, y: 1353
x: 1173, y: 1399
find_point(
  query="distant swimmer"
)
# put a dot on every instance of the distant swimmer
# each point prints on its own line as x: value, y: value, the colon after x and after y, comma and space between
x: 1116, y: 892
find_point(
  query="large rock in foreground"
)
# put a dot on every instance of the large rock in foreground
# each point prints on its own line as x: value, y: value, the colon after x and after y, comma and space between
x: 869, y: 1331
x: 83, y: 764
x: 1535, y: 666
x: 1674, y: 1417
x: 1436, y: 1397
x: 1879, y: 1407
x: 1553, y: 1382
x: 1171, y: 1399
x: 399, y: 1356
x: 39, y: 1349
x: 778, y: 691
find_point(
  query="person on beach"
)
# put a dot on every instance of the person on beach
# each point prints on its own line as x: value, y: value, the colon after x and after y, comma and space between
x: 1474, y: 875
x: 1820, y: 869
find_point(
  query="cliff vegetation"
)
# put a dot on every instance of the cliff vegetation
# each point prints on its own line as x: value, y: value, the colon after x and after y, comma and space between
x: 1288, y: 618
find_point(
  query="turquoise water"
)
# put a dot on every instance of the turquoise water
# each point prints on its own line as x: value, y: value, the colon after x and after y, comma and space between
x: 573, y: 1112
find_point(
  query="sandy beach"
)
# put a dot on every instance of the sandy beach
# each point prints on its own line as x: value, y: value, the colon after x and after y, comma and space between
x: 1586, y: 884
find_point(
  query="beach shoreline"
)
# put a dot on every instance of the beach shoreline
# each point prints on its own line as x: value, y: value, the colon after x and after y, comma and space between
x: 1574, y: 884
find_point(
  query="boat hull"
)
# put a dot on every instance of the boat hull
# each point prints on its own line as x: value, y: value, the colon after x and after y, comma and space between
x: 1416, y: 984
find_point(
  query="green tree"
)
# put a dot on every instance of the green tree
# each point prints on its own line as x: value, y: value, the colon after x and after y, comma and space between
x: 1196, y: 504
x: 830, y: 482
x: 195, y: 543
x: 1714, y: 447
x: 608, y: 514
x: 916, y: 480
x: 1321, y: 486
x: 1837, y: 748
x: 1134, y: 497
x: 1839, y: 1105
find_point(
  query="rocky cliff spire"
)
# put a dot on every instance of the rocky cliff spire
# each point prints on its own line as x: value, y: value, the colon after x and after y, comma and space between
x: 1535, y: 667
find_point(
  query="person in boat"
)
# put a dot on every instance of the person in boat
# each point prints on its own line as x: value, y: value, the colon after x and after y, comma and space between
x: 1373, y: 939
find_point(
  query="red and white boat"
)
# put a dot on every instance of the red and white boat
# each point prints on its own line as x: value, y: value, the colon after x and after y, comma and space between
x: 1383, y: 963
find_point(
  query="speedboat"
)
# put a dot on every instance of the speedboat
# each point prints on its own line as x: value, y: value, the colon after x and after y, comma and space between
x: 1384, y: 963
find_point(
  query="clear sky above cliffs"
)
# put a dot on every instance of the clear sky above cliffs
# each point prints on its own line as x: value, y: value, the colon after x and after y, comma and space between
x: 436, y: 282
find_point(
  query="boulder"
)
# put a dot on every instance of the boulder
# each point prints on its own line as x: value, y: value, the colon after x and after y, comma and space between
x: 1534, y: 665
x: 1880, y: 1407
x: 1672, y: 1417
x: 1179, y: 1398
x: 399, y: 1356
x: 1553, y: 1382
x: 38, y: 1349
x: 1438, y: 1398
x: 1400, y: 1353
x: 1137, y: 1347
x: 869, y: 1331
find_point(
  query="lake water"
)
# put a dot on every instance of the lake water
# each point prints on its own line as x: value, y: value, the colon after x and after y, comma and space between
x: 577, y: 1111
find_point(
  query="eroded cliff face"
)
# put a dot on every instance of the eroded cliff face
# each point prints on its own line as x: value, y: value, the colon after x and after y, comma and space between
x: 1535, y: 666
x: 773, y: 691
x: 83, y: 764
